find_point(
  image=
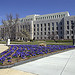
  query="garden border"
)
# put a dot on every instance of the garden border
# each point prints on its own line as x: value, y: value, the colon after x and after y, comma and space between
x: 32, y: 59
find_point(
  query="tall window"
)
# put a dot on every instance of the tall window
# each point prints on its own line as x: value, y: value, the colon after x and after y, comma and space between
x: 41, y: 33
x: 45, y: 24
x: 34, y: 25
x: 56, y: 28
x: 67, y: 27
x: 48, y: 33
x: 44, y: 33
x: 52, y: 28
x: 68, y: 22
x: 60, y: 23
x: 45, y: 29
x: 52, y: 24
x: 71, y: 22
x: 37, y: 29
x: 57, y: 23
x: 37, y: 33
x: 37, y: 25
x: 67, y: 37
x: 61, y: 28
x: 41, y: 29
x: 41, y: 25
x: 67, y: 32
x: 49, y: 24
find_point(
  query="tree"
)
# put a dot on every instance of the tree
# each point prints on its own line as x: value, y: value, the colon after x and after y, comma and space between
x: 11, y: 28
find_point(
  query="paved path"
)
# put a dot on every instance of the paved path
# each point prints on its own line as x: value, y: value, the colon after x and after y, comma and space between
x: 10, y: 71
x: 3, y: 47
x: 58, y: 64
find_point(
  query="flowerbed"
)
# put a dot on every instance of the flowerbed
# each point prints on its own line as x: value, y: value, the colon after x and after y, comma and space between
x: 17, y: 53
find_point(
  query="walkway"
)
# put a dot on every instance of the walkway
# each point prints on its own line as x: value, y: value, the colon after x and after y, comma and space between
x: 3, y: 47
x: 58, y: 64
x: 10, y: 71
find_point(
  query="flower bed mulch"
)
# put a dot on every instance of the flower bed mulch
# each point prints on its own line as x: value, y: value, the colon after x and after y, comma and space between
x: 17, y: 53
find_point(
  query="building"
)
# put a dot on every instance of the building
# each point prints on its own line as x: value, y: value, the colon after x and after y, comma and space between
x: 43, y: 26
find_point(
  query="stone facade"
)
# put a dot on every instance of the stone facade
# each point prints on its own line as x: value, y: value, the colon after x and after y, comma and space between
x: 43, y: 26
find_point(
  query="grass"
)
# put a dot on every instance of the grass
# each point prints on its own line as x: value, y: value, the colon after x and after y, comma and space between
x: 38, y: 42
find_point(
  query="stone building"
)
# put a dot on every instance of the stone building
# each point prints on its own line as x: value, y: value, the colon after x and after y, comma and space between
x: 43, y: 26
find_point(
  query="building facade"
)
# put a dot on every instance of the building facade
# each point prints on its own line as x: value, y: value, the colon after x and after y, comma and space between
x: 43, y: 26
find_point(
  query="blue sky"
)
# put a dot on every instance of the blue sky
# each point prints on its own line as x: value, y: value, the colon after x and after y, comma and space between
x: 29, y: 7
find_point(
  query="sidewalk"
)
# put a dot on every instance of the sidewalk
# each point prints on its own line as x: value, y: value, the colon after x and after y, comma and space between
x: 10, y: 71
x: 58, y: 64
x: 3, y: 47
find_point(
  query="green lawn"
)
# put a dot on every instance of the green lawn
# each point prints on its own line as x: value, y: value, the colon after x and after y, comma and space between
x: 38, y: 42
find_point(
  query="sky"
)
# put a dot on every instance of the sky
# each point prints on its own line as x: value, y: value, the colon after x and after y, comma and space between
x: 30, y: 7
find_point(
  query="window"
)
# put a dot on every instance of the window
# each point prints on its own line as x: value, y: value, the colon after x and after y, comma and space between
x: 72, y: 37
x: 37, y: 33
x: 44, y: 37
x: 37, y: 29
x: 37, y: 37
x: 51, y: 17
x: 45, y: 24
x: 64, y: 15
x: 49, y: 24
x: 34, y: 38
x: 68, y: 22
x: 37, y: 25
x: 34, y: 25
x: 61, y: 37
x: 71, y: 32
x: 44, y: 33
x: 72, y: 22
x: 45, y: 29
x: 56, y: 28
x: 34, y: 29
x: 41, y: 29
x: 60, y: 23
x: 55, y: 16
x: 67, y: 32
x: 41, y: 25
x: 48, y: 33
x: 43, y: 17
x: 61, y: 32
x: 41, y: 33
x: 57, y: 23
x: 23, y: 26
x: 53, y: 24
x: 67, y: 27
x: 61, y: 28
x: 52, y: 28
x: 67, y: 37
x: 49, y: 29
x: 72, y: 27
x: 52, y: 33
x: 34, y: 33
x: 56, y: 32
x: 41, y: 37
x: 59, y: 16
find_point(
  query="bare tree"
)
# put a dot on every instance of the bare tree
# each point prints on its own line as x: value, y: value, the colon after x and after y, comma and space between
x: 11, y: 28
